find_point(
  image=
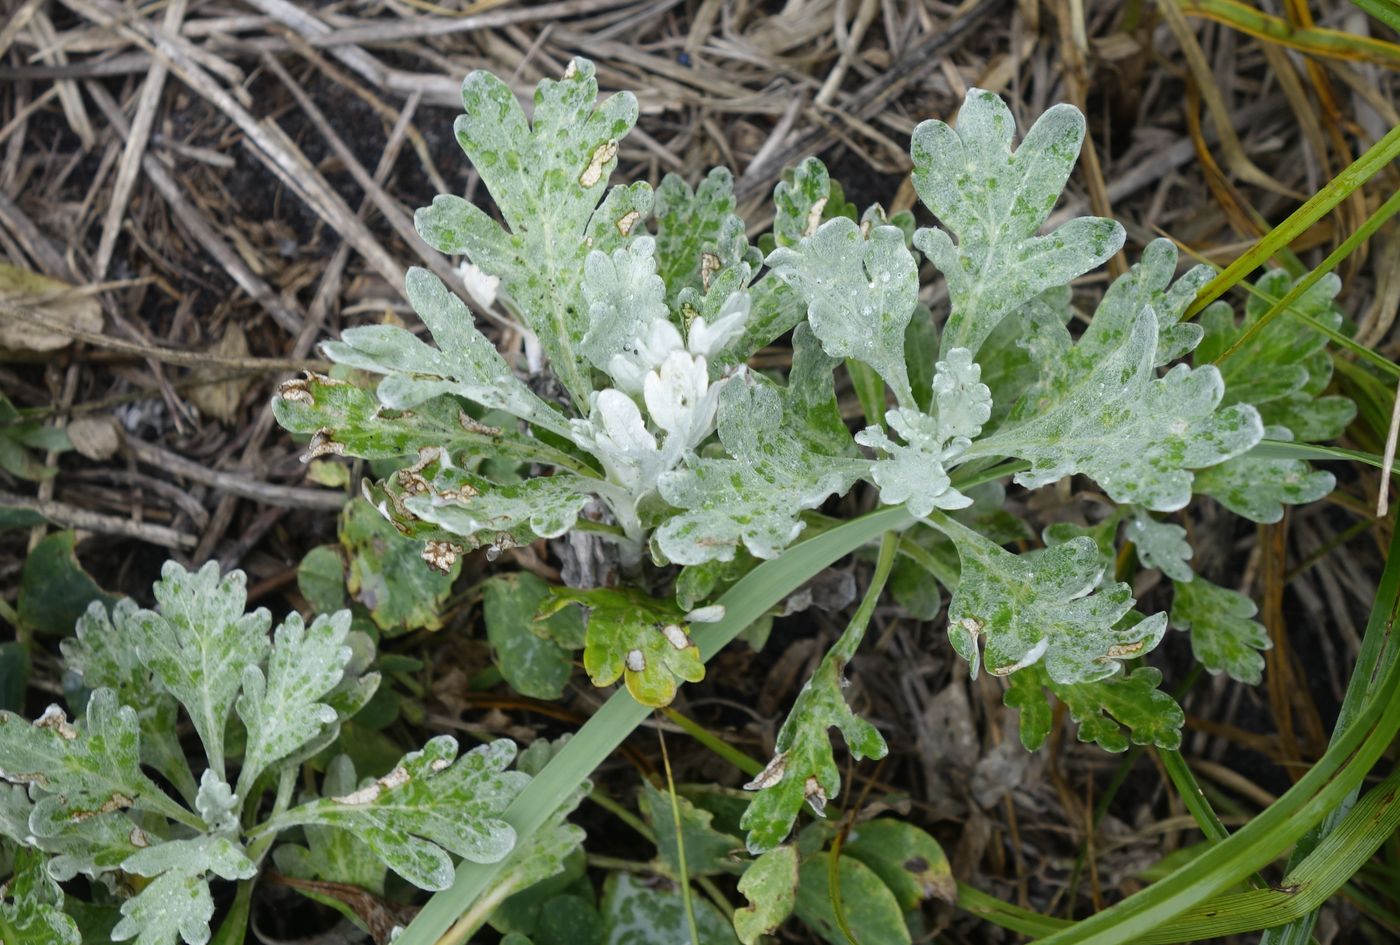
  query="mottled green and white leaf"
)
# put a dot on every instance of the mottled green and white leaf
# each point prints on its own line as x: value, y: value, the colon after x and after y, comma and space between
x: 1014, y: 611
x: 1258, y: 487
x: 547, y: 175
x: 860, y: 290
x: 994, y: 201
x: 427, y: 806
x: 1160, y: 545
x: 1112, y: 711
x: 198, y: 643
x: 284, y: 708
x: 635, y: 913
x: 535, y: 664
x: 1225, y: 637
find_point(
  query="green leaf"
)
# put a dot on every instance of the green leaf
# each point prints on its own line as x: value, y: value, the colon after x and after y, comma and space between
x: 78, y: 771
x: 1258, y: 487
x: 331, y: 854
x: 1280, y: 358
x: 101, y: 655
x: 1103, y: 709
x: 54, y: 589
x: 1024, y: 609
x: 994, y: 201
x: 284, y: 708
x: 803, y: 769
x: 625, y: 296
x: 871, y: 910
x: 909, y: 861
x: 1224, y: 635
x: 914, y: 475
x: 780, y: 443
x: 534, y: 665
x: 547, y: 176
x: 470, y: 511
x: 860, y: 291
x: 1160, y: 545
x: 321, y: 579
x: 569, y: 920
x: 915, y: 590
x: 427, y: 806
x: 31, y: 906
x: 464, y: 363
x: 199, y: 643
x: 707, y: 850
x: 770, y: 885
x: 387, y: 573
x: 800, y: 202
x: 691, y: 224
x: 343, y: 419
x: 176, y: 904
x: 1102, y: 410
x: 14, y: 675
x: 632, y: 635
x: 637, y: 914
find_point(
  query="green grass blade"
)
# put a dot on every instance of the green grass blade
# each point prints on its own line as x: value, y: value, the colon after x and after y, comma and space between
x: 1279, y: 306
x: 1318, y: 205
x: 1284, y: 449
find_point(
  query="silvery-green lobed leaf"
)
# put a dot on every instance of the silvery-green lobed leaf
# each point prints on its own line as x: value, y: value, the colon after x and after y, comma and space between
x: 1103, y: 411
x: 426, y: 807
x: 690, y: 225
x: 176, y: 904
x: 994, y: 201
x: 31, y: 905
x: 217, y: 804
x: 463, y: 363
x: 199, y: 642
x: 77, y: 771
x: 474, y: 511
x: 799, y: 202
x: 333, y: 855
x: 1041, y: 607
x: 1103, y: 709
x: 285, y: 708
x: 636, y: 637
x: 1284, y: 367
x: 343, y: 419
x: 860, y: 292
x: 803, y: 769
x: 101, y: 656
x: 1224, y: 635
x: 1276, y: 360
x: 1310, y: 419
x: 1160, y: 545
x: 789, y: 451
x: 634, y: 913
x: 1258, y: 488
x: 770, y: 885
x: 91, y: 846
x: 221, y: 856
x: 624, y: 296
x: 547, y: 176
x: 1026, y: 345
x: 915, y: 474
